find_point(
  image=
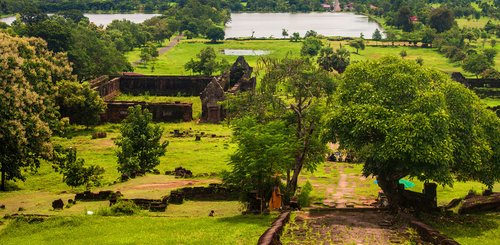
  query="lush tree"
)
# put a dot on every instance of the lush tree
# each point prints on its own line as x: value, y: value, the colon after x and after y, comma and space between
x: 330, y: 60
x: 265, y: 150
x: 311, y: 46
x: 490, y: 53
x: 207, y: 63
x: 428, y: 35
x: 149, y: 52
x: 391, y: 36
x: 295, y: 37
x: 284, y: 33
x: 419, y: 60
x: 93, y: 56
x: 215, y: 33
x: 490, y: 73
x: 73, y: 170
x: 441, y: 19
x: 357, y: 44
x: 292, y: 91
x: 139, y: 145
x: 55, y: 30
x: 403, y: 53
x: 311, y: 33
x: 402, y: 120
x: 27, y: 111
x: 377, y: 36
x: 132, y: 34
x: 402, y: 19
x: 159, y: 28
x: 79, y: 102
x: 73, y: 15
x: 476, y: 63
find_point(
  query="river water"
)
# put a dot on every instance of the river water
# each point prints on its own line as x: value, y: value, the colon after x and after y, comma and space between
x: 104, y: 19
x: 269, y: 24
x: 328, y: 24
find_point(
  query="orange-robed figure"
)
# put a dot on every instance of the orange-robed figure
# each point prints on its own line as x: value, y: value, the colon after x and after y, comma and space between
x: 275, y: 202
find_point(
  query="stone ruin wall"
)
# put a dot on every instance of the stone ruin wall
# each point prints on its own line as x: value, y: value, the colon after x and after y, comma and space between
x: 211, y: 90
x: 482, y: 87
x: 162, y: 112
x: 107, y: 88
x: 164, y: 85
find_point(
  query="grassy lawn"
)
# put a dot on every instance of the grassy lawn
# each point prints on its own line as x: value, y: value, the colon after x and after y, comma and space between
x: 474, y: 23
x: 470, y: 229
x: 491, y: 102
x: 209, y: 155
x: 172, y: 62
x: 139, y: 230
x: 135, y: 55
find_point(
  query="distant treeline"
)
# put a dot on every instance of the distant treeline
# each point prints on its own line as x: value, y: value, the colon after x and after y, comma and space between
x: 16, y: 6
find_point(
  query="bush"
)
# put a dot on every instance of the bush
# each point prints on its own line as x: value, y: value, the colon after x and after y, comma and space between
x: 304, y: 200
x: 119, y: 209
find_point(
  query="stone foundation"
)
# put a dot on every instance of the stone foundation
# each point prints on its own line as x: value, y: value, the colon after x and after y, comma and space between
x: 211, y: 90
x: 162, y: 112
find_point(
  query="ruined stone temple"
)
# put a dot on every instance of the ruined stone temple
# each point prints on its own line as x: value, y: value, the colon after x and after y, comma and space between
x: 211, y: 89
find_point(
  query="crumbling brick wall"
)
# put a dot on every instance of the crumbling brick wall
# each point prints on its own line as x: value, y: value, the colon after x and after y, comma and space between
x: 164, y: 85
x: 162, y: 112
x: 107, y: 89
x: 211, y: 90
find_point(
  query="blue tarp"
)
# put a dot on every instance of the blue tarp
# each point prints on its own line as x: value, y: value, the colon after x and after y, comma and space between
x: 407, y: 183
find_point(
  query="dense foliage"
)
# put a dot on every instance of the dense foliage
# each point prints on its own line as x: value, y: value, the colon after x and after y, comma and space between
x: 90, y: 49
x: 405, y: 120
x: 206, y: 63
x: 81, y: 104
x: 28, y: 115
x: 289, y: 104
x: 331, y: 60
x: 140, y: 145
x: 73, y: 170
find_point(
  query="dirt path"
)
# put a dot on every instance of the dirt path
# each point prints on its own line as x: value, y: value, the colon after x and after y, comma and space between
x: 342, y: 195
x: 350, y: 217
x: 165, y: 49
x: 345, y: 227
x: 170, y: 45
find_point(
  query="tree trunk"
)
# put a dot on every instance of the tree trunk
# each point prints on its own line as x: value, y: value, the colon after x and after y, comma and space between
x: 295, y: 177
x: 390, y: 185
x: 2, y: 187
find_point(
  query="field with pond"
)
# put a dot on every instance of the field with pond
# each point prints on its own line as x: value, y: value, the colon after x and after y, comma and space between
x: 172, y: 62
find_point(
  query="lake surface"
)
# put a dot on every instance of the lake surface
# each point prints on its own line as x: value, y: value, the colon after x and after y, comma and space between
x: 328, y: 24
x: 104, y: 19
x: 246, y: 52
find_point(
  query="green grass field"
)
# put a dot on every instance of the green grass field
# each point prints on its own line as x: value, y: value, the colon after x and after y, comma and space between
x: 470, y: 229
x: 172, y: 62
x: 139, y: 230
x: 491, y: 102
x: 474, y: 23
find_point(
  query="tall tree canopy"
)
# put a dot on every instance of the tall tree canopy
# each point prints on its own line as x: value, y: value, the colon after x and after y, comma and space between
x: 292, y: 93
x: 406, y: 120
x: 140, y: 145
x: 441, y: 19
x: 28, y: 75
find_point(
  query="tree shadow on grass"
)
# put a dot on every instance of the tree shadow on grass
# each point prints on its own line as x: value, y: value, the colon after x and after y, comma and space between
x: 261, y: 220
x: 465, y: 225
x: 11, y: 186
x: 79, y: 130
